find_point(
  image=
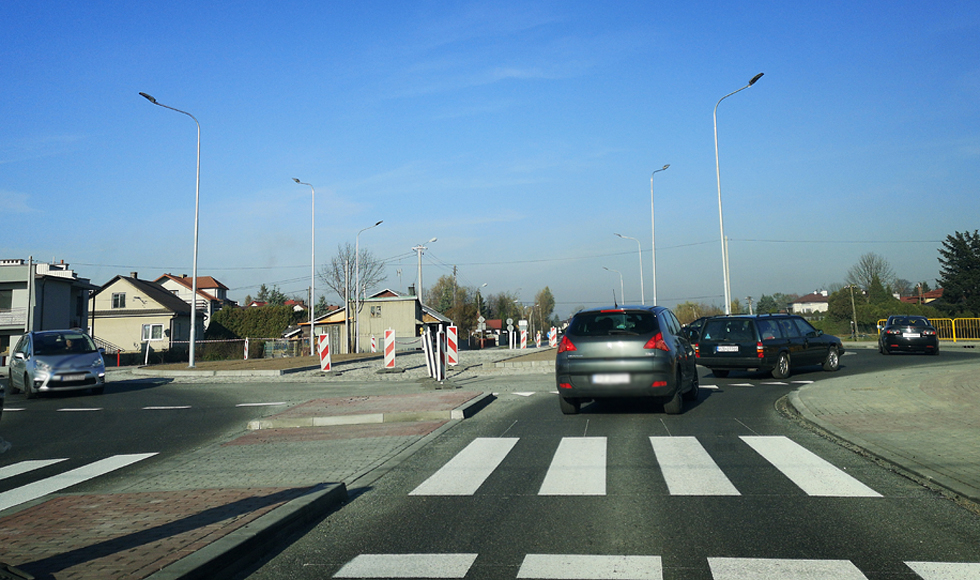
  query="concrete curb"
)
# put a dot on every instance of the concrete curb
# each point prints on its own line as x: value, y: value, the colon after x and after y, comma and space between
x: 230, y: 554
x: 464, y: 411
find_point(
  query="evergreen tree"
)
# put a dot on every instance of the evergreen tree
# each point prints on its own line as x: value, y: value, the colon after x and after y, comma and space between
x: 960, y: 273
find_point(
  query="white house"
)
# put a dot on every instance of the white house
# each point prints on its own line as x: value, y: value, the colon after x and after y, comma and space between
x: 811, y: 303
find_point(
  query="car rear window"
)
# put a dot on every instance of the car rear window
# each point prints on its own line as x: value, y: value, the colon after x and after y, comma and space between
x: 729, y: 330
x: 613, y: 322
x: 910, y: 321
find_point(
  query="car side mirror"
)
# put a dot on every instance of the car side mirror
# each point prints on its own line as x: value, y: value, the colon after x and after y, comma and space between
x: 20, y: 356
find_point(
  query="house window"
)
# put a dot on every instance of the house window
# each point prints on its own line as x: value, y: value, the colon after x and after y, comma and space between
x: 119, y: 300
x: 152, y: 332
x: 375, y: 312
x: 6, y: 299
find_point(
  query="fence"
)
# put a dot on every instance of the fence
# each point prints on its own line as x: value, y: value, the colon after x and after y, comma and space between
x: 954, y: 329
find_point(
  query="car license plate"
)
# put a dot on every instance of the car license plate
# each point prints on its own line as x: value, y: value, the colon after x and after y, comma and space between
x: 73, y: 377
x: 911, y: 335
x: 611, y: 379
x: 726, y: 348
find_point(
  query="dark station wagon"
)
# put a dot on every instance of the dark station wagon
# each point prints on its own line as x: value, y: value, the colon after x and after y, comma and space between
x: 773, y: 343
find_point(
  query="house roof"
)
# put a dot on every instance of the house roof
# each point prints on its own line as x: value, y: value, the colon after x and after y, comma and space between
x: 387, y: 293
x: 155, y: 292
x: 815, y: 297
x: 203, y: 283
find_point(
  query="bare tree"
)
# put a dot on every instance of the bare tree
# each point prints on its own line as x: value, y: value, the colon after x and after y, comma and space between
x: 870, y: 265
x: 340, y: 275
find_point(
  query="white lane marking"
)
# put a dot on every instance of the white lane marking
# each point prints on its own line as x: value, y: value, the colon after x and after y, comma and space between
x: 25, y: 466
x: 814, y: 475
x: 586, y: 567
x: 774, y: 383
x: 83, y: 409
x: 407, y: 566
x: 710, y: 387
x: 801, y: 382
x: 524, y: 393
x: 467, y: 471
x: 260, y: 404
x: 741, y: 385
x: 167, y: 408
x: 61, y: 481
x: 12, y: 409
x: 766, y: 569
x: 578, y: 468
x: 688, y: 469
x: 945, y: 570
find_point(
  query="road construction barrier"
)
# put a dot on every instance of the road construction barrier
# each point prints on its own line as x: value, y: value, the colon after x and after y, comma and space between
x: 389, y: 349
x: 523, y: 339
x: 553, y: 337
x: 324, y: 348
x: 452, y: 345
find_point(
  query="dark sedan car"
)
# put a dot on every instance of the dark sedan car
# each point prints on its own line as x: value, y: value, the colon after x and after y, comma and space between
x: 766, y: 343
x: 632, y: 351
x: 908, y: 334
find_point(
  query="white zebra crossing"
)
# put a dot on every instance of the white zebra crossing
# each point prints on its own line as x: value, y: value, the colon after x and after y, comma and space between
x: 578, y: 468
x: 811, y: 473
x: 632, y: 567
x: 61, y: 481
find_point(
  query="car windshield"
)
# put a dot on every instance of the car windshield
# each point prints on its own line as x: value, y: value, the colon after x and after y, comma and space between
x: 732, y: 330
x: 606, y: 323
x: 61, y: 343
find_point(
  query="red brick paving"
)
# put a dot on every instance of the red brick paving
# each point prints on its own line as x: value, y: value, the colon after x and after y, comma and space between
x: 131, y: 536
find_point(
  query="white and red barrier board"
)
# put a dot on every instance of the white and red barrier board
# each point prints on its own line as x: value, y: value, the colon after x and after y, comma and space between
x: 452, y: 345
x: 324, y: 347
x: 389, y: 349
x: 523, y: 339
x: 553, y: 337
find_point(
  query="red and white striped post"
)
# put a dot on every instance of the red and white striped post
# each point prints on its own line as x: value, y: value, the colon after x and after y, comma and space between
x: 523, y: 339
x: 246, y: 348
x: 452, y: 345
x: 374, y: 344
x: 389, y: 349
x: 537, y: 339
x: 553, y: 337
x: 324, y: 348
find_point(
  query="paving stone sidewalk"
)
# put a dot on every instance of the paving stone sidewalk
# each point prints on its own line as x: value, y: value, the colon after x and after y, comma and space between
x: 923, y: 419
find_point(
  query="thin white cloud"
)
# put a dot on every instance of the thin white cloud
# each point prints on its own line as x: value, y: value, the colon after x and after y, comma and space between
x: 14, y: 202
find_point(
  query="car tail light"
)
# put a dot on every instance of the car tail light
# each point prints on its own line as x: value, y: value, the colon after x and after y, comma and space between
x: 697, y: 350
x: 657, y: 342
x: 893, y: 331
x: 928, y: 333
x: 659, y: 384
x: 566, y: 345
x: 564, y: 386
x: 759, y: 350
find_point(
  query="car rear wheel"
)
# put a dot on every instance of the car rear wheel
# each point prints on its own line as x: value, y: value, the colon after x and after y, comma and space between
x: 720, y: 373
x: 10, y: 384
x: 569, y: 406
x: 781, y: 371
x: 675, y: 405
x: 832, y: 362
x: 695, y: 391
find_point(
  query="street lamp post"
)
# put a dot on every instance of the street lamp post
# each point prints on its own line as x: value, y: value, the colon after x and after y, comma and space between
x: 357, y: 287
x: 197, y: 204
x: 419, y: 249
x: 653, y: 235
x: 640, y: 250
x: 312, y: 263
x: 621, y: 297
x: 721, y: 221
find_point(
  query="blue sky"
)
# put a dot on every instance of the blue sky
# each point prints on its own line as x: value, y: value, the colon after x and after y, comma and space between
x: 521, y: 134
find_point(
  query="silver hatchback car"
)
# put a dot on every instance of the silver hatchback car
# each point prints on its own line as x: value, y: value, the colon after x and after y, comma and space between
x: 56, y: 360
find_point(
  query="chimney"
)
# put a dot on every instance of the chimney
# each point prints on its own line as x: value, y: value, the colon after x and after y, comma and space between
x: 134, y: 275
x: 411, y: 290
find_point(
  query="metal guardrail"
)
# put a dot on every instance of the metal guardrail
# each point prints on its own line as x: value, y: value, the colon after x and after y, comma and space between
x: 954, y: 329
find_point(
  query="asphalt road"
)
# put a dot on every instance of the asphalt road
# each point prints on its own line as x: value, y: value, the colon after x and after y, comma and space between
x: 571, y: 491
